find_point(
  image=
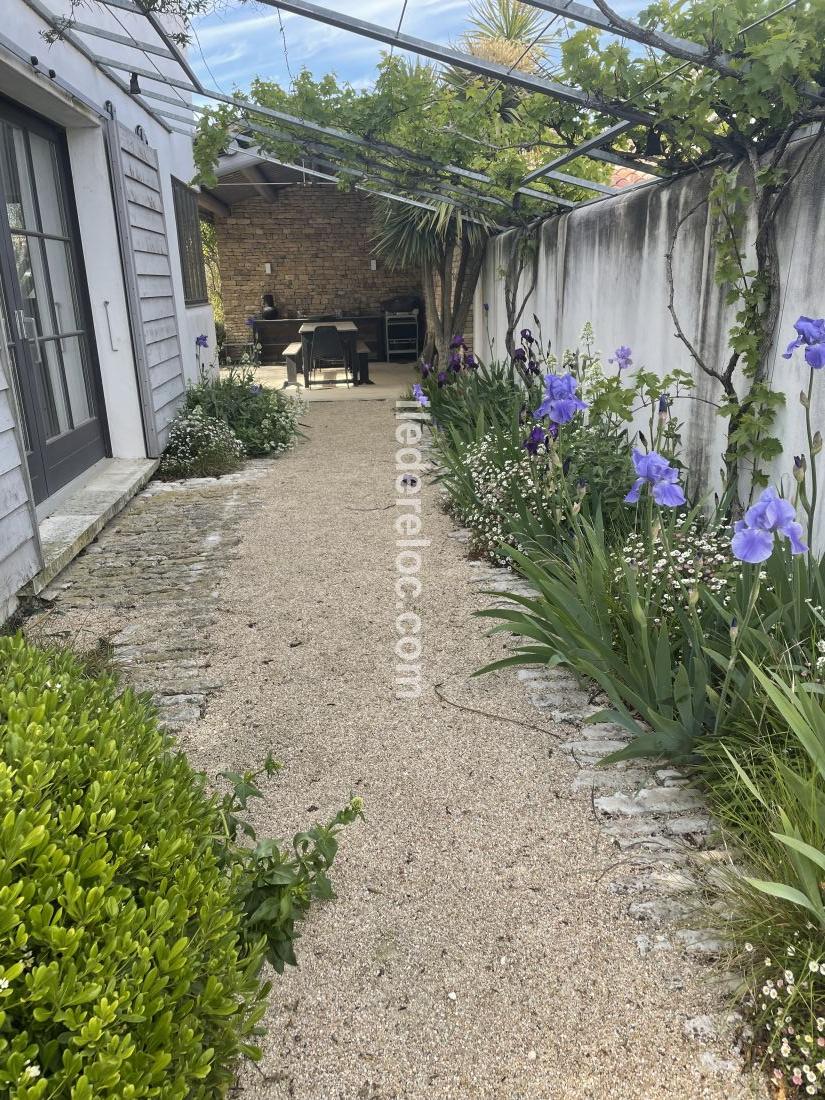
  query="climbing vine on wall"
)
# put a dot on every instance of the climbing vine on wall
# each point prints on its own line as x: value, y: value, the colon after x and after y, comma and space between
x: 739, y: 111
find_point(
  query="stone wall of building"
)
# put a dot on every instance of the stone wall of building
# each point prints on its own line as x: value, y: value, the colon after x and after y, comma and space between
x: 319, y: 243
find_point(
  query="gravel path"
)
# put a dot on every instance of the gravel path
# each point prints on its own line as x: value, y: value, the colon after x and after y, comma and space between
x: 473, y: 951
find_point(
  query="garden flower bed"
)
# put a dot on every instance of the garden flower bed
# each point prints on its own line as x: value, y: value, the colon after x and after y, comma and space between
x: 226, y: 419
x: 702, y: 629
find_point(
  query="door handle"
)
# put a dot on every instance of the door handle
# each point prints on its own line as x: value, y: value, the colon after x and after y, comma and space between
x: 106, y: 304
x: 27, y: 330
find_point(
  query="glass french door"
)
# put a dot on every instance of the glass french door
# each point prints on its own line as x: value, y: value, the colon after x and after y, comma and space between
x: 45, y: 326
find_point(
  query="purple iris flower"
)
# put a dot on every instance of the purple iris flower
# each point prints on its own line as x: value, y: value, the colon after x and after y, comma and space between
x: 755, y: 534
x: 470, y: 361
x: 420, y: 396
x: 486, y: 307
x: 202, y: 341
x: 621, y: 357
x: 527, y: 336
x: 425, y: 370
x: 664, y: 404
x: 441, y: 378
x: 255, y: 387
x: 455, y: 362
x: 654, y: 470
x: 520, y: 355
x: 457, y: 341
x: 560, y: 400
x: 811, y: 336
x: 533, y: 367
x: 538, y: 437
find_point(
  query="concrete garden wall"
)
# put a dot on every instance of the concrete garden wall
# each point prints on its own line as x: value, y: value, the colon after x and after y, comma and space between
x: 605, y: 263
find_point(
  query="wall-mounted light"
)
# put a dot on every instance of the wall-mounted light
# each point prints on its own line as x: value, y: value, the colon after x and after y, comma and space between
x: 134, y: 84
x: 268, y: 267
x: 373, y: 265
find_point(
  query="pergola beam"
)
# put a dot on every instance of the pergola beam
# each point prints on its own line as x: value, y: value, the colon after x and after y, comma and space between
x: 682, y: 48
x: 174, y: 49
x: 609, y: 157
x: 581, y: 150
x: 448, y: 56
x: 112, y: 36
x: 55, y: 23
x: 190, y: 120
x: 327, y: 131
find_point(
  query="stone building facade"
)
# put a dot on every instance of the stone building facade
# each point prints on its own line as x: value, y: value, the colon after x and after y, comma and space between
x: 318, y: 242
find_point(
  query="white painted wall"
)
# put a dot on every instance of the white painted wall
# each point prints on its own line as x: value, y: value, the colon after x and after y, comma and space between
x: 605, y: 263
x: 32, y: 88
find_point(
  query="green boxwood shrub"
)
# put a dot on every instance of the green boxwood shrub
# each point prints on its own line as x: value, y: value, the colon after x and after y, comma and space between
x: 124, y: 971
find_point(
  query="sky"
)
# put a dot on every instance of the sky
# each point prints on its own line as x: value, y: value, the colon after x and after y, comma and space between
x: 244, y: 39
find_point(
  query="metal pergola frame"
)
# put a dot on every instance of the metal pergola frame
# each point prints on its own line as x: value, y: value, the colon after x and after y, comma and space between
x: 58, y: 24
x: 630, y: 117
x: 339, y: 135
x: 691, y: 53
x: 446, y: 55
x: 70, y: 30
x: 450, y: 56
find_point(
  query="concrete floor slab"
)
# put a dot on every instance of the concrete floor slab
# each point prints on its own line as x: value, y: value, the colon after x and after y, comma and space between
x: 390, y: 380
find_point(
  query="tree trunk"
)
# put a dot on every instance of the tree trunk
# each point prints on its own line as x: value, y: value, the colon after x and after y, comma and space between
x: 512, y: 280
x: 448, y: 297
x: 433, y: 320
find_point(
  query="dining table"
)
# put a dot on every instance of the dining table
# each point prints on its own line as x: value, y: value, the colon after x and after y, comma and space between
x: 347, y: 330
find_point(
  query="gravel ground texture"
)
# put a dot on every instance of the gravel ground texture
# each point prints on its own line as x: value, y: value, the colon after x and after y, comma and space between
x: 474, y: 950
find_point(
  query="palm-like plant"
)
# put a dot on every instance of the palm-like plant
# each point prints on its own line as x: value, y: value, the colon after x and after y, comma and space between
x: 509, y: 33
x: 448, y: 248
x: 508, y: 19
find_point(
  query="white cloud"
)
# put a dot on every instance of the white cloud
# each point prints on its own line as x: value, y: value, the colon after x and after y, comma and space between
x: 246, y: 37
x: 250, y: 37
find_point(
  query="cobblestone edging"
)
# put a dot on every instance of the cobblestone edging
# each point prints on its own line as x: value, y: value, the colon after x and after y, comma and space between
x: 150, y: 586
x: 659, y: 825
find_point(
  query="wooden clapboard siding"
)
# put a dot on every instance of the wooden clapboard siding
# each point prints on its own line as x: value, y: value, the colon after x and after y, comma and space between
x: 157, y: 309
x: 19, y: 547
x: 150, y: 263
x: 144, y: 232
